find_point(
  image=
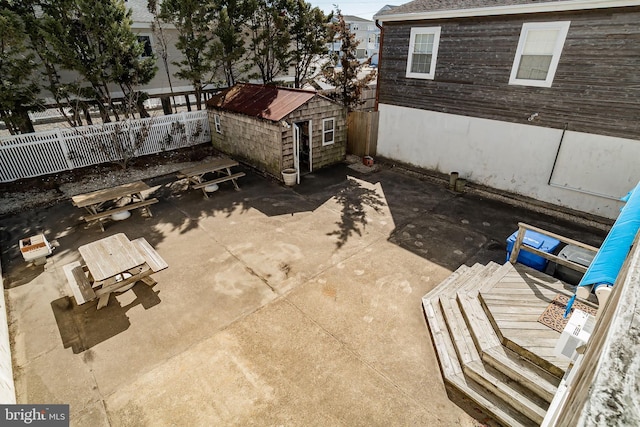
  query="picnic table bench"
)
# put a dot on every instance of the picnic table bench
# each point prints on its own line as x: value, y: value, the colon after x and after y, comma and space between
x: 101, y: 204
x: 220, y: 167
x: 79, y: 283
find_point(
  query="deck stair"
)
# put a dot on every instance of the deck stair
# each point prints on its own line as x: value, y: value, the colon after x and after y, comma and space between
x: 483, y: 324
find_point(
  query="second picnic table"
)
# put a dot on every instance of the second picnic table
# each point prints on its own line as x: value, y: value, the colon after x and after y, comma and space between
x: 222, y: 167
x: 122, y: 198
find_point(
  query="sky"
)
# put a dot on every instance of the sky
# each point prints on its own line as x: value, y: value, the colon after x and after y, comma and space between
x: 362, y: 8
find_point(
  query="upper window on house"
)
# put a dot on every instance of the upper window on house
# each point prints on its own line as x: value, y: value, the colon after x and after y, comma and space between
x: 146, y: 41
x: 538, y: 53
x: 216, y: 122
x: 328, y: 134
x: 423, y: 52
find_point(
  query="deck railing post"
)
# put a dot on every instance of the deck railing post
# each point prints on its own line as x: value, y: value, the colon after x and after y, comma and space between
x: 516, y: 246
x: 65, y: 149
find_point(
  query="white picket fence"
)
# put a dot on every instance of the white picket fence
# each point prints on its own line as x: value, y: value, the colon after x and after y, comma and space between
x: 42, y: 153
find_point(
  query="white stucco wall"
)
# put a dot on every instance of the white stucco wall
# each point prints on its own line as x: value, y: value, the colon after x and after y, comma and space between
x: 7, y: 386
x: 591, y: 173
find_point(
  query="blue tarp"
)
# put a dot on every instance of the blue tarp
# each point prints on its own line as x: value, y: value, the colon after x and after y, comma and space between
x: 607, y: 263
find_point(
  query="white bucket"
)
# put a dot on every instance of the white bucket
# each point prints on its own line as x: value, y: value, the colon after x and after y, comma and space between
x: 289, y: 175
x: 211, y: 188
x: 120, y: 216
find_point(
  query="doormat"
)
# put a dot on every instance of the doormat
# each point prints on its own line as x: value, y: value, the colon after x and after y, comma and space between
x: 359, y: 167
x: 553, y: 315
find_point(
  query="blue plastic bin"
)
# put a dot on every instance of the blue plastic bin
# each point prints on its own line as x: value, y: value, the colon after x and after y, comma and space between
x: 537, y: 241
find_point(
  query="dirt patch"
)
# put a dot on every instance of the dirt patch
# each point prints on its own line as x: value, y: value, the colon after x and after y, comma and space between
x: 46, y: 190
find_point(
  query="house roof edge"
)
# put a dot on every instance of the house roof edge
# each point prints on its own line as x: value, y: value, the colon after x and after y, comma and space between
x: 554, y: 6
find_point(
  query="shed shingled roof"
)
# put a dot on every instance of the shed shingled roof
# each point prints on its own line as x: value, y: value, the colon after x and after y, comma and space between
x: 265, y: 102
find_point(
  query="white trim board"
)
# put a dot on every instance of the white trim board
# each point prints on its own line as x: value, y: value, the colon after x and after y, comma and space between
x: 559, y: 6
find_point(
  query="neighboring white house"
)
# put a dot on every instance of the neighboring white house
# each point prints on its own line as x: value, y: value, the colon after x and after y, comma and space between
x: 142, y: 26
x: 368, y: 36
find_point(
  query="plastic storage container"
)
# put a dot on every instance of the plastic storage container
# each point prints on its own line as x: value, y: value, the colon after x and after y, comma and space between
x: 574, y: 254
x: 35, y: 248
x: 537, y: 241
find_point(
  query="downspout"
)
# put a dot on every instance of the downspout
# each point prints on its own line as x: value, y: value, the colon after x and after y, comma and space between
x: 555, y: 161
x: 566, y: 187
x: 379, y: 62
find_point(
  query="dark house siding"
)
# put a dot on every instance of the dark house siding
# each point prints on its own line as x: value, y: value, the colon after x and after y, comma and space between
x: 596, y: 88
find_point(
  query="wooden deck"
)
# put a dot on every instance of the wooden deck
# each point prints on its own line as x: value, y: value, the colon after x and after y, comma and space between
x: 514, y: 304
x: 484, y: 326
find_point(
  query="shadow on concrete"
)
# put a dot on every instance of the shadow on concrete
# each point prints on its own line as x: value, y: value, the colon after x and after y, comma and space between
x: 266, y: 195
x: 432, y: 222
x: 22, y: 274
x: 354, y: 198
x: 83, y: 326
x: 50, y: 221
x: 452, y: 229
x: 446, y: 228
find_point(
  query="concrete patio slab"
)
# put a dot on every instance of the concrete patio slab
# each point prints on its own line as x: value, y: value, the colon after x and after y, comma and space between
x: 280, y: 306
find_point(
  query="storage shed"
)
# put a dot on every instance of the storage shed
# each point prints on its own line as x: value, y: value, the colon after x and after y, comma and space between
x: 275, y: 128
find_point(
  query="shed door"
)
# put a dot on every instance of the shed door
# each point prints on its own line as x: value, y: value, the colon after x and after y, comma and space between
x: 296, y: 151
x: 305, y: 154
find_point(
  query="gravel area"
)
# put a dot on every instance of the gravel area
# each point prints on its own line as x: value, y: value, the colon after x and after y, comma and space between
x: 47, y: 190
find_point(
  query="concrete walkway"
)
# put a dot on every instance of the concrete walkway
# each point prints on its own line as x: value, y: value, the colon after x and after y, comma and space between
x: 280, y: 306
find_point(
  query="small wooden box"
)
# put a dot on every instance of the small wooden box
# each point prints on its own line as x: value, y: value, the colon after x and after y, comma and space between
x: 35, y: 248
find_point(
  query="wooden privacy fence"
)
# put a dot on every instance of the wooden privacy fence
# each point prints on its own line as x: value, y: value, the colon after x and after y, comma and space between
x: 362, y: 133
x: 42, y: 153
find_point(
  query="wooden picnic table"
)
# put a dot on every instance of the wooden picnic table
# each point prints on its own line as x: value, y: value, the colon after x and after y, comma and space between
x: 112, y: 264
x: 221, y: 167
x: 104, y: 203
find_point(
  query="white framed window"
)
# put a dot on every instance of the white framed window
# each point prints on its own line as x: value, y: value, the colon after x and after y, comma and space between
x: 423, y: 52
x: 146, y: 41
x: 538, y: 53
x: 216, y: 122
x: 328, y: 131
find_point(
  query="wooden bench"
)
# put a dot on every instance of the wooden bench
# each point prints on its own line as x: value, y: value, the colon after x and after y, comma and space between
x: 151, y: 257
x: 219, y: 180
x: 102, y: 215
x: 79, y: 282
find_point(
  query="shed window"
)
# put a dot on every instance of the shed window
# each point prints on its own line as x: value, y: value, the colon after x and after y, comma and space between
x: 216, y: 122
x: 538, y: 53
x: 423, y: 52
x: 328, y: 134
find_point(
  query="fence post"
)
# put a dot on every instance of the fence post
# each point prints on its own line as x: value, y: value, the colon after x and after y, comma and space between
x: 132, y: 140
x: 183, y: 119
x: 65, y: 150
x: 99, y: 142
x: 367, y: 143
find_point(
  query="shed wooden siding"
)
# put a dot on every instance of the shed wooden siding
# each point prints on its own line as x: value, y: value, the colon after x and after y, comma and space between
x: 253, y: 140
x: 316, y: 110
x: 596, y: 88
